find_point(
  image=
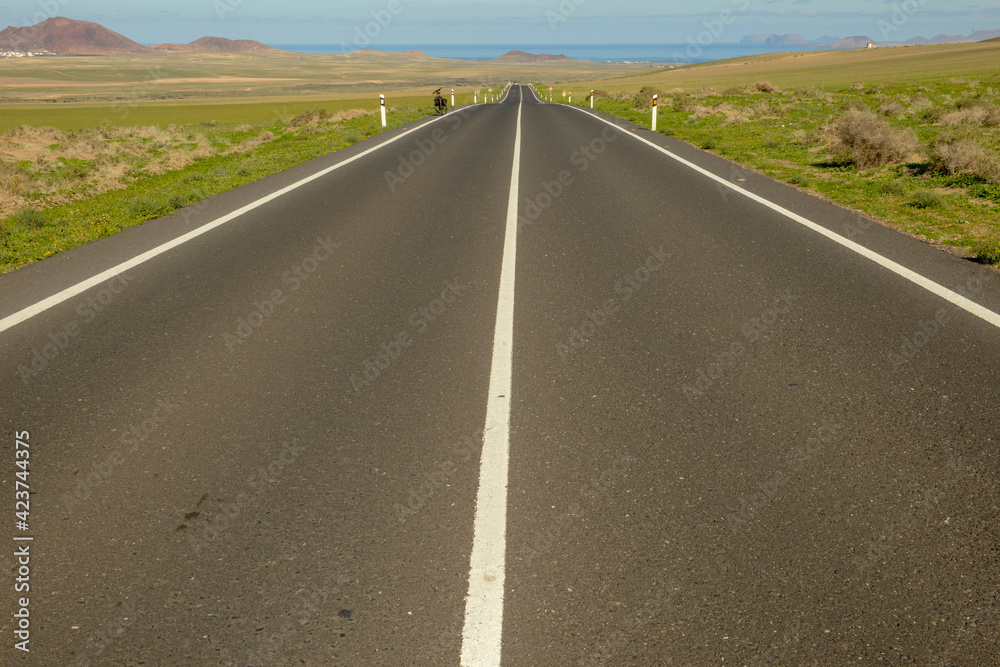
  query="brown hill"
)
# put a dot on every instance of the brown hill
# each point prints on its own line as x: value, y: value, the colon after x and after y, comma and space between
x: 218, y: 45
x: 68, y: 37
x: 851, y: 43
x: 524, y: 57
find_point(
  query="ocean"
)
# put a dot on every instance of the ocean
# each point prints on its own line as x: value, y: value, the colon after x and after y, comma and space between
x: 652, y: 53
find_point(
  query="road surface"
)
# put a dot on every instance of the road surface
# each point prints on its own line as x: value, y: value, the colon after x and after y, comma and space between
x: 680, y: 419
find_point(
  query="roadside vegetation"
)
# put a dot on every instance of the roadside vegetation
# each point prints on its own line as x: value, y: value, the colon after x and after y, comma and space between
x: 922, y: 156
x: 62, y: 188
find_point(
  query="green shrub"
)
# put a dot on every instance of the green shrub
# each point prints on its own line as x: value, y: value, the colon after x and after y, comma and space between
x: 987, y: 250
x: 896, y: 187
x: 926, y: 199
x: 29, y: 218
x: 146, y: 206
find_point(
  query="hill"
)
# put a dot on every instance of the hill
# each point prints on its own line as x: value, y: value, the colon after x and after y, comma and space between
x: 218, y: 45
x: 524, y: 57
x: 69, y: 37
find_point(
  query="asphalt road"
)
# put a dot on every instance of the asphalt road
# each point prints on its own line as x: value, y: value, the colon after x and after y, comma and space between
x: 730, y: 438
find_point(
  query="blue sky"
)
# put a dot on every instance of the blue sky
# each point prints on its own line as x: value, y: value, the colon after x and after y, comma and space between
x: 513, y: 21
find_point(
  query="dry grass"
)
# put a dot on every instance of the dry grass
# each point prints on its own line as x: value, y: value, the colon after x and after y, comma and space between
x: 964, y: 155
x: 976, y: 115
x: 861, y: 138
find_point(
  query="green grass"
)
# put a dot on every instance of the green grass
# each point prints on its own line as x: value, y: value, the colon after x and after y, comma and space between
x: 35, y: 233
x: 787, y: 134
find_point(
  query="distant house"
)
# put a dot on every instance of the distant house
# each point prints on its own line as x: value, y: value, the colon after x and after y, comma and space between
x: 871, y: 45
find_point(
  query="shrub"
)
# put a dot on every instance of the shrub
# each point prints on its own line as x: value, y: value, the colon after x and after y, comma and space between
x: 891, y: 109
x: 926, y: 199
x: 29, y: 218
x: 765, y: 87
x: 865, y: 140
x: 895, y: 187
x: 145, y: 206
x: 961, y: 154
x: 987, y: 250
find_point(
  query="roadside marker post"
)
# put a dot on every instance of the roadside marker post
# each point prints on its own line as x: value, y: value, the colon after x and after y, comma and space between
x: 654, y: 111
x: 452, y: 98
x: 571, y: 98
x: 382, y: 101
x: 475, y: 97
x: 591, y: 99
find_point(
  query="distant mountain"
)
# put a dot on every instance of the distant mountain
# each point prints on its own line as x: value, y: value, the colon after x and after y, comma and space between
x: 68, y: 37
x: 218, y: 45
x: 523, y: 57
x: 978, y: 36
x: 862, y: 41
x: 851, y: 43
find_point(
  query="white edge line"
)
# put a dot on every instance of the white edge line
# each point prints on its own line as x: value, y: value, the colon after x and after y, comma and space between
x: 936, y: 288
x: 68, y: 293
x: 482, y: 633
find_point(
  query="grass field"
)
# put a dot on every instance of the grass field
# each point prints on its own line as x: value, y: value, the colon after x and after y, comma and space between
x: 139, y: 173
x: 908, y: 135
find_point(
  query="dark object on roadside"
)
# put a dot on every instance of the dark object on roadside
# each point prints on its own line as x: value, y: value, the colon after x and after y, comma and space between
x: 440, y: 104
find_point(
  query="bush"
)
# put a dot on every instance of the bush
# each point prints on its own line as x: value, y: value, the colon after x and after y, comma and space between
x: 926, y: 199
x: 29, y: 218
x: 765, y: 87
x: 862, y: 138
x: 891, y: 109
x: 895, y: 187
x: 987, y: 250
x: 961, y: 154
x: 145, y: 206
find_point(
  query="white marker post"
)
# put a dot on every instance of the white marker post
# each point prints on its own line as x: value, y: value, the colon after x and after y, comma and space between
x: 382, y: 101
x: 591, y: 99
x: 475, y: 97
x: 571, y: 98
x: 452, y: 98
x: 654, y: 112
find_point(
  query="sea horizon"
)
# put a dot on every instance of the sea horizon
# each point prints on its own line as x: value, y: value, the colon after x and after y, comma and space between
x: 637, y: 53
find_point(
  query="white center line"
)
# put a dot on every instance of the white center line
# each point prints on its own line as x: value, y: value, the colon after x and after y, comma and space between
x: 483, y: 631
